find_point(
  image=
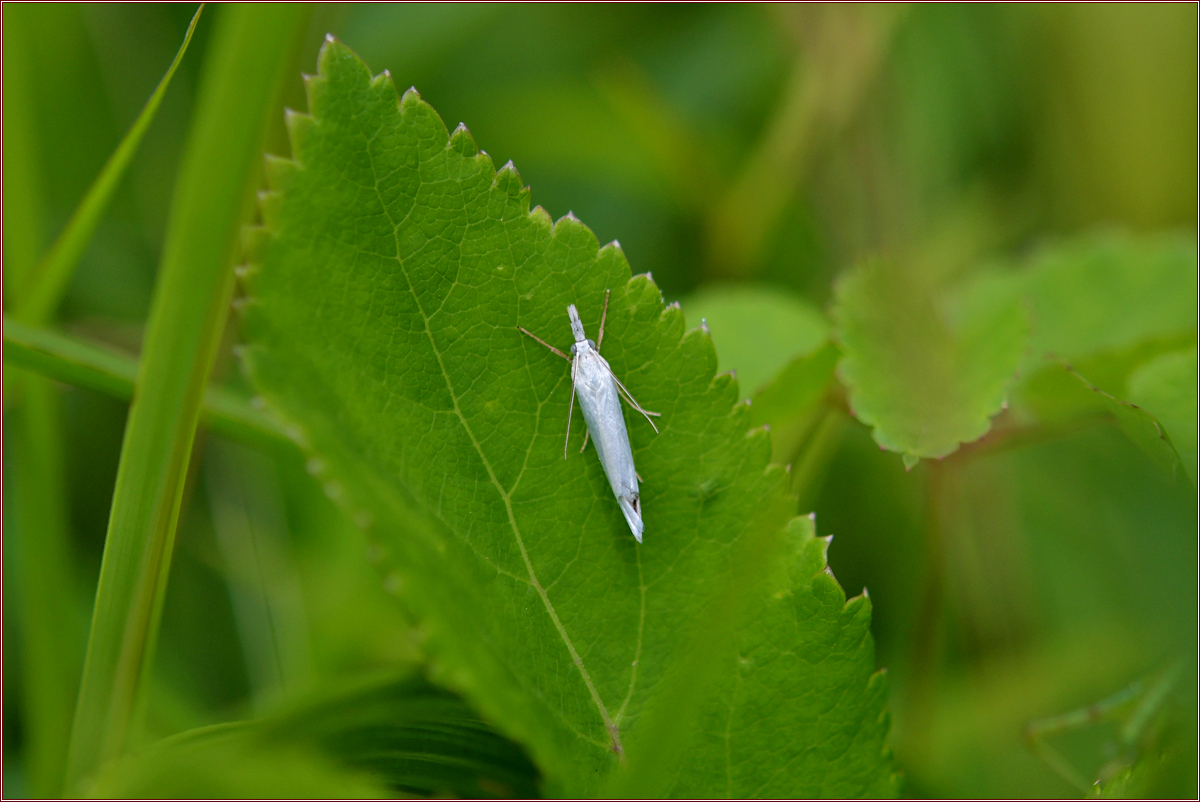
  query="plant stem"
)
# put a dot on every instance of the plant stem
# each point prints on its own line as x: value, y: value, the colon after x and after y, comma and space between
x: 83, y: 364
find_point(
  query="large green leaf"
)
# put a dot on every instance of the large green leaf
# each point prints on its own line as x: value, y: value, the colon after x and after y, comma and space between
x: 927, y: 369
x: 394, y: 268
x: 801, y: 613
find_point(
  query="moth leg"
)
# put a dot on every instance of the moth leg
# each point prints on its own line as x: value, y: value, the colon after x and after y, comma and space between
x: 629, y: 397
x: 603, y: 315
x: 586, y: 433
x: 570, y: 411
x: 543, y: 342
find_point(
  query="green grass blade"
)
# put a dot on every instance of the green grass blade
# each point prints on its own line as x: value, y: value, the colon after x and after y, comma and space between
x: 51, y: 618
x: 83, y: 364
x: 53, y: 273
x: 51, y: 625
x: 23, y: 203
x: 251, y: 47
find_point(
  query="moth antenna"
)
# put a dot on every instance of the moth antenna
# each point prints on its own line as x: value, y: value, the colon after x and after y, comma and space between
x: 543, y: 342
x: 603, y: 315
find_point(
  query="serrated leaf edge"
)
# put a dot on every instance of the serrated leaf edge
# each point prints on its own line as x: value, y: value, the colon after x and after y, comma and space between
x: 279, y: 171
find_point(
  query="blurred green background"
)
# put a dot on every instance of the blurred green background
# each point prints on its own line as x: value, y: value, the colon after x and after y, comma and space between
x: 726, y: 147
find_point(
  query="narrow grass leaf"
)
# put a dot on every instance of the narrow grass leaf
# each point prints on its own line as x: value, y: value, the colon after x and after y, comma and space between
x: 242, y: 77
x: 53, y: 273
x: 73, y: 361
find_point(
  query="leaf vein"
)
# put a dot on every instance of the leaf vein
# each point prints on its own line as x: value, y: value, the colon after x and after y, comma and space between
x: 533, y: 580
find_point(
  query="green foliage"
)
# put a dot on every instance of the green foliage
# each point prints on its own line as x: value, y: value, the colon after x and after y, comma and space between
x: 382, y: 320
x: 759, y: 329
x: 416, y: 738
x: 1105, y: 292
x: 229, y: 764
x: 994, y: 202
x: 791, y: 402
x: 1166, y: 387
x: 746, y: 734
x: 182, y: 336
x: 85, y: 364
x: 925, y: 376
x: 1119, y: 307
x: 1057, y: 394
x: 379, y: 737
x: 50, y: 278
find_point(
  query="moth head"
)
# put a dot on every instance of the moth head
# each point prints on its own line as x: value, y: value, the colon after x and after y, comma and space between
x: 575, y: 347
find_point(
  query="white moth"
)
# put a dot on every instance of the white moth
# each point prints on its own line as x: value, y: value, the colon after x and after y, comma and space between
x: 600, y: 392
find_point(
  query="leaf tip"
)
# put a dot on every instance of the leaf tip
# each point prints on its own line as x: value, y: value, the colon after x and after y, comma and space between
x: 854, y: 603
x: 910, y: 460
x: 672, y: 317
x: 299, y: 125
x: 647, y: 278
x: 508, y: 180
x: 826, y: 542
x: 409, y: 99
x: 462, y: 142
x: 575, y: 231
x: 541, y: 217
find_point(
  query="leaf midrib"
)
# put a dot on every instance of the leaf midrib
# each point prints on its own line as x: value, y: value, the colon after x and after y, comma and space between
x: 614, y: 734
